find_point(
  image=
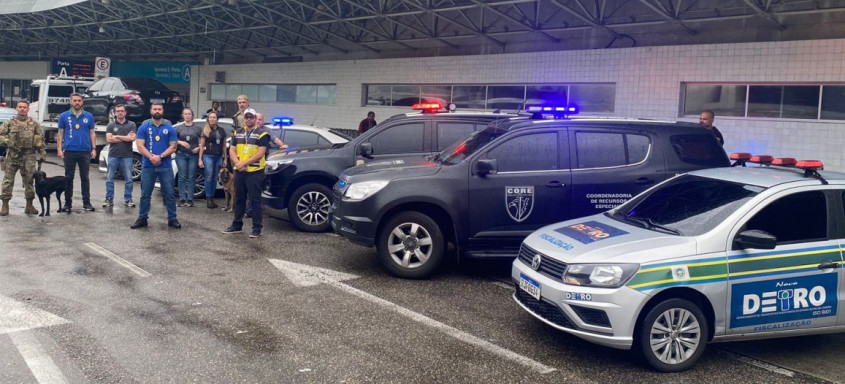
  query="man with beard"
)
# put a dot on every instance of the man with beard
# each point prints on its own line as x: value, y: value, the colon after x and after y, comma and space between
x: 156, y: 141
x: 77, y: 146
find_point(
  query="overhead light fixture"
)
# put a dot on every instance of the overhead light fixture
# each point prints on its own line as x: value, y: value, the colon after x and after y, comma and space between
x: 102, y: 30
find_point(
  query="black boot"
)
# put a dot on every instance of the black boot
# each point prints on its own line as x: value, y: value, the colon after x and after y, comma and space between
x: 140, y: 223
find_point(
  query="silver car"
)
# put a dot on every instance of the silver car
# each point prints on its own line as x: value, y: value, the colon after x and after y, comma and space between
x: 713, y: 255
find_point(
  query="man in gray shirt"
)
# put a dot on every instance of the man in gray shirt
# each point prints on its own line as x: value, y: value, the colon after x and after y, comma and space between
x: 120, y: 134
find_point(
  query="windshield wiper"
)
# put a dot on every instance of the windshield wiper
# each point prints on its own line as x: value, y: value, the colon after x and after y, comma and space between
x: 648, y: 223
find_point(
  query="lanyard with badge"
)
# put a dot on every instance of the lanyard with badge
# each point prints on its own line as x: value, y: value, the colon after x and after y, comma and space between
x: 247, y: 134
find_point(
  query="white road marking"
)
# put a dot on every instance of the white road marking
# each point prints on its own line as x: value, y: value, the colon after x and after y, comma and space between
x: 39, y: 363
x: 16, y: 316
x: 119, y: 260
x: 758, y: 363
x: 304, y: 275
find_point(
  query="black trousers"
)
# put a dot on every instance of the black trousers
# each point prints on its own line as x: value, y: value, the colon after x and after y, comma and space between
x: 248, y: 184
x: 72, y: 160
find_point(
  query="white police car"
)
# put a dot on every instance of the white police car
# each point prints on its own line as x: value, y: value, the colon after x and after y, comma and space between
x: 712, y: 255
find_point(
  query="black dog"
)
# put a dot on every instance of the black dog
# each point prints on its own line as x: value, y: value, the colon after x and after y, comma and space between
x: 45, y: 186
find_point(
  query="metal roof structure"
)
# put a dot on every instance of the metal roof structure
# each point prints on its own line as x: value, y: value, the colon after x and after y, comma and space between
x: 233, y: 31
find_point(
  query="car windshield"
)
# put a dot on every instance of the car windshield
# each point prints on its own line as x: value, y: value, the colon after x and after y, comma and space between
x: 687, y: 205
x: 459, y: 151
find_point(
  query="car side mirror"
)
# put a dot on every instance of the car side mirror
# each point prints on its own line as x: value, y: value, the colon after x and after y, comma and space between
x: 485, y: 167
x: 756, y: 239
x: 366, y: 150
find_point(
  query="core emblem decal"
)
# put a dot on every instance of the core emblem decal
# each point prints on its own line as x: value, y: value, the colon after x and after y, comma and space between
x: 519, y: 201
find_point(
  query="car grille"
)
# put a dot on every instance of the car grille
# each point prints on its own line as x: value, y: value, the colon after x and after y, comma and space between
x: 591, y: 316
x: 544, y: 309
x: 549, y: 267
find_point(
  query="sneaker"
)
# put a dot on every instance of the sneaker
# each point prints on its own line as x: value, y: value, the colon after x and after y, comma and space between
x: 129, y: 203
x: 182, y: 203
x: 233, y: 229
x: 66, y: 208
x: 108, y: 203
x: 190, y: 203
x: 255, y: 234
x: 88, y: 207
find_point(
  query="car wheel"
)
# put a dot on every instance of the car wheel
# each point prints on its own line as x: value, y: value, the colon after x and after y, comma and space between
x: 137, y: 164
x: 309, y: 206
x: 199, y: 188
x: 673, y: 335
x: 410, y: 245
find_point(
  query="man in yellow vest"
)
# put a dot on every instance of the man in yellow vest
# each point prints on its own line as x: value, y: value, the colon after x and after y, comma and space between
x: 247, y: 150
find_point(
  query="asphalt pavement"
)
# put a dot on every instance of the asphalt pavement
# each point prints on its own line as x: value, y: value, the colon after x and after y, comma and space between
x: 85, y: 299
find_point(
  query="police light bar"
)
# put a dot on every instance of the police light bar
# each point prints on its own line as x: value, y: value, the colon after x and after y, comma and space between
x: 283, y: 121
x: 785, y: 161
x: 811, y: 165
x: 569, y: 110
x: 427, y: 107
x: 762, y: 159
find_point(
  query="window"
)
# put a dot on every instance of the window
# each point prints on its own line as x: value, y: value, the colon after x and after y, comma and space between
x: 534, y: 152
x: 295, y: 138
x: 399, y: 139
x: 796, y: 218
x: 599, y: 149
x: 97, y: 86
x: 776, y: 101
x: 698, y: 149
x: 589, y: 97
x: 638, y: 146
x: 276, y: 93
x: 450, y: 133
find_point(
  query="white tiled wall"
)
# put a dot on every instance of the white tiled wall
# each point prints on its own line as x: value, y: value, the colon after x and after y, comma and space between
x: 647, y: 81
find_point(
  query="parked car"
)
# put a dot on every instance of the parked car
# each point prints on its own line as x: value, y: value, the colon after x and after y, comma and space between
x: 137, y: 93
x: 712, y: 255
x: 301, y: 182
x: 6, y: 114
x: 486, y: 193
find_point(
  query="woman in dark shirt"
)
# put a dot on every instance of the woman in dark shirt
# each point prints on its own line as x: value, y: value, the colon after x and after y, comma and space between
x: 212, y: 156
x: 187, y: 150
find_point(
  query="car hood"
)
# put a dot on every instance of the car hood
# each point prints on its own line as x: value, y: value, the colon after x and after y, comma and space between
x: 600, y: 239
x: 300, y: 153
x: 392, y: 169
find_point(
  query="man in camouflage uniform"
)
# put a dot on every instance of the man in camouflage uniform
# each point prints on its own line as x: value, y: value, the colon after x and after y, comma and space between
x: 23, y: 138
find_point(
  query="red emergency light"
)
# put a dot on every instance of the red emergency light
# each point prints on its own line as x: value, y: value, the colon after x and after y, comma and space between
x: 427, y: 107
x: 740, y: 156
x: 762, y: 159
x: 785, y: 161
x: 810, y: 165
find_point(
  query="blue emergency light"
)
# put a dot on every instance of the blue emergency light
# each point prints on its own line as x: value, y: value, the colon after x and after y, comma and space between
x: 557, y: 111
x: 283, y: 121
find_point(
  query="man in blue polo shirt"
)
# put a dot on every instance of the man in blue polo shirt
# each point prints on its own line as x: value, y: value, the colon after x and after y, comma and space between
x: 77, y: 143
x: 156, y: 141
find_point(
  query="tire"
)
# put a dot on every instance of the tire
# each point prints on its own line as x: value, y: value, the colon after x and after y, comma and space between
x: 411, y: 245
x: 137, y: 164
x: 309, y: 206
x: 673, y: 335
x: 199, y: 188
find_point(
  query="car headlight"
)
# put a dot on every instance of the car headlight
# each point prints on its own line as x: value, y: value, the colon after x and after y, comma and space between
x: 276, y: 165
x: 599, y: 275
x: 361, y: 191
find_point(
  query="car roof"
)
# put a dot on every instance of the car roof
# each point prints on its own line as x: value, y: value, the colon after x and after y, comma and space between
x: 609, y: 122
x: 768, y: 176
x: 324, y: 132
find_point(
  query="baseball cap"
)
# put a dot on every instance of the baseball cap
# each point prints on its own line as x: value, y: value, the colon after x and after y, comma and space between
x: 249, y: 111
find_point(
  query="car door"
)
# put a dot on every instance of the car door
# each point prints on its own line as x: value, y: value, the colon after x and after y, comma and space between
x: 406, y: 139
x: 529, y: 190
x: 609, y: 167
x: 96, y: 99
x: 794, y: 286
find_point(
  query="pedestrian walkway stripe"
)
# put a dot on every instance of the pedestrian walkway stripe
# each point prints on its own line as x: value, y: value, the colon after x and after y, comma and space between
x: 117, y: 259
x: 39, y: 363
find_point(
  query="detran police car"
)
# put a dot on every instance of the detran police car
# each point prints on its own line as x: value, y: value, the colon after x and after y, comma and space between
x: 712, y: 255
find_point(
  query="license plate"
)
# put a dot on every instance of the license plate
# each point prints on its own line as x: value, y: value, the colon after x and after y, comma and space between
x: 530, y: 286
x: 156, y: 100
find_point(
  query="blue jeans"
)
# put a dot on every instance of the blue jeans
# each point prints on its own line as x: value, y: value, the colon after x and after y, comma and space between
x: 212, y: 165
x: 148, y: 181
x: 125, y: 166
x: 187, y: 163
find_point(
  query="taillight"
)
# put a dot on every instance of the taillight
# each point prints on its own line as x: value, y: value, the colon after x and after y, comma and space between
x: 133, y: 97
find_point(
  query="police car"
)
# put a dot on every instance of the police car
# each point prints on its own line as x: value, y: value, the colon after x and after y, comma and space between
x: 301, y: 181
x: 6, y: 114
x: 713, y: 255
x: 485, y: 194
